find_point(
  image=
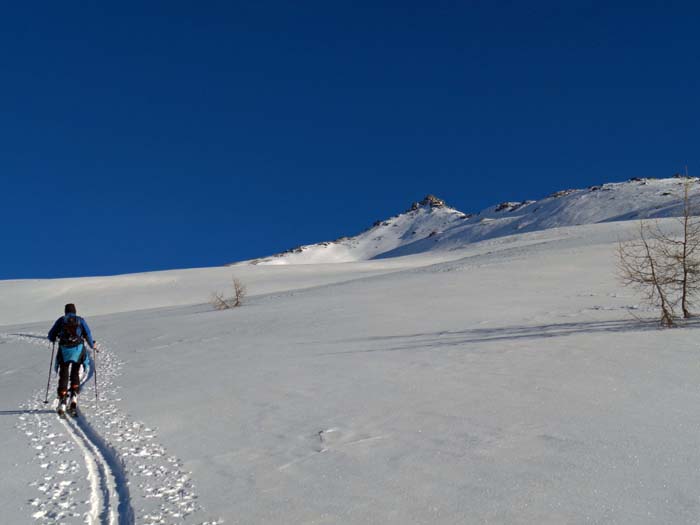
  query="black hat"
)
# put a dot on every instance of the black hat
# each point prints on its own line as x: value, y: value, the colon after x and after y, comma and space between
x: 70, y: 308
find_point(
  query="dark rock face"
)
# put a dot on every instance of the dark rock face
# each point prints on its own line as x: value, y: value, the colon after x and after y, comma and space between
x: 509, y: 206
x: 433, y: 202
x: 512, y: 206
x: 430, y: 200
x: 562, y: 193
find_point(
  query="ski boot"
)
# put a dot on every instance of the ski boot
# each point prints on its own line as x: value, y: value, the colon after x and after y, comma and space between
x: 73, y: 407
x: 62, y: 402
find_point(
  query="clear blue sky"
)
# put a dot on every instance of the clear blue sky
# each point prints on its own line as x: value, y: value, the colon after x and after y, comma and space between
x: 153, y: 135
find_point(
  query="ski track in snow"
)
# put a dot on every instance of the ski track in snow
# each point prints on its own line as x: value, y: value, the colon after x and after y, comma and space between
x: 121, y: 460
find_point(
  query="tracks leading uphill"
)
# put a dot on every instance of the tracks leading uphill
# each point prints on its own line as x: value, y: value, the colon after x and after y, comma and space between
x: 110, y: 503
x: 101, y: 468
x: 109, y: 499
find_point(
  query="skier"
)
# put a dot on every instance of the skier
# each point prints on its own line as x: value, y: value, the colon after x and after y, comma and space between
x: 71, y: 331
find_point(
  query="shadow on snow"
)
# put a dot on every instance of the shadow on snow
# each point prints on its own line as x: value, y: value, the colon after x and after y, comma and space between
x: 32, y: 336
x: 20, y: 412
x: 432, y: 340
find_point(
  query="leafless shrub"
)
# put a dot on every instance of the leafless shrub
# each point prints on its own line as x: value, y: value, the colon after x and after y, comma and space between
x: 239, y: 292
x: 220, y: 302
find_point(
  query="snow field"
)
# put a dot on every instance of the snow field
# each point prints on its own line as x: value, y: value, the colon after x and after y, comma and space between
x: 509, y: 381
x: 510, y: 385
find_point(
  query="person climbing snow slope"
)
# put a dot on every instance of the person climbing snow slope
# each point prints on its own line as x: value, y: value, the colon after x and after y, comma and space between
x: 72, y: 332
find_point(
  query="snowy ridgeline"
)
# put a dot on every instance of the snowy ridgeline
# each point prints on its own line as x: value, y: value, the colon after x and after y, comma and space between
x: 432, y: 225
x: 429, y: 231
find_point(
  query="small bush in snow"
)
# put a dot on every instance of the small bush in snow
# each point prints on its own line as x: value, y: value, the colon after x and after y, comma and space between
x: 220, y: 302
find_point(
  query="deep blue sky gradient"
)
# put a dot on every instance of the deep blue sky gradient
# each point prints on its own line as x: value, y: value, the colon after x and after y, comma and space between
x: 154, y: 135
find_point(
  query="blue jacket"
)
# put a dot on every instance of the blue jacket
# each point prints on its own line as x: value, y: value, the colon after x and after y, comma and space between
x: 75, y: 354
x: 57, y: 328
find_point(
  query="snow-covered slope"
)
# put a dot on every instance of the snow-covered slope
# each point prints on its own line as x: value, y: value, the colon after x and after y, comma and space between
x: 496, y: 373
x: 39, y: 299
x: 430, y: 225
x: 429, y: 228
x: 508, y: 384
x: 634, y: 199
x: 424, y: 219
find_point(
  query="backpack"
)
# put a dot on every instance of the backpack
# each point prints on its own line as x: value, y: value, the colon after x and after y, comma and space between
x: 72, y: 332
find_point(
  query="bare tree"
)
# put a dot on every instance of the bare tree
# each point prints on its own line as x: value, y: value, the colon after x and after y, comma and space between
x: 643, y: 263
x: 218, y: 301
x: 239, y: 292
x: 688, y: 256
x: 683, y: 252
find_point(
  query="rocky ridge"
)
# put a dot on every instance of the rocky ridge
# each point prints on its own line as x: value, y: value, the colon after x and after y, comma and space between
x: 431, y: 224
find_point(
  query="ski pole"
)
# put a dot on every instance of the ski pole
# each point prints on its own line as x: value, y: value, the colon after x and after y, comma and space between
x: 48, y: 382
x: 94, y: 357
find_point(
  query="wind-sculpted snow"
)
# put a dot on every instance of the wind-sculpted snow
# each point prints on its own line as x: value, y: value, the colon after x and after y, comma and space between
x: 101, y: 467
